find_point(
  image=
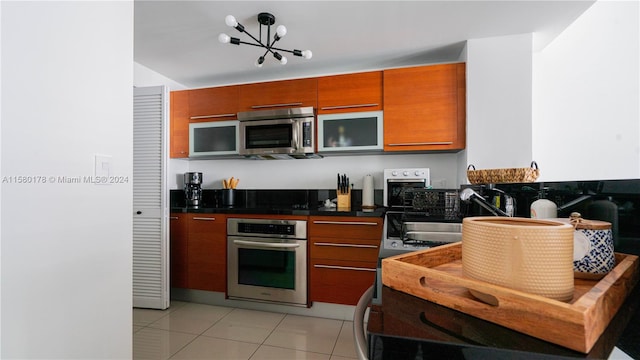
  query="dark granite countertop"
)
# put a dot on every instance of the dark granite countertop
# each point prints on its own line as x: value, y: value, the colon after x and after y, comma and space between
x: 276, y: 202
x: 321, y: 211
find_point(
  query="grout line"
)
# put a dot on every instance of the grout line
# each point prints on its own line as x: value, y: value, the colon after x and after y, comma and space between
x: 259, y: 345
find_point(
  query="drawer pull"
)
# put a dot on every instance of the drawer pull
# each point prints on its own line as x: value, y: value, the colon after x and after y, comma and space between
x: 346, y: 245
x: 347, y: 106
x: 173, y: 218
x: 204, y: 218
x: 211, y: 116
x: 343, y: 268
x: 275, y: 105
x: 345, y: 222
x: 423, y: 143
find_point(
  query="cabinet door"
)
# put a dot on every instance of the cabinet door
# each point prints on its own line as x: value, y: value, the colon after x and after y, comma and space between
x: 278, y: 94
x: 207, y: 252
x: 424, y: 108
x: 179, y: 234
x: 210, y: 104
x: 213, y: 138
x: 179, y: 124
x: 350, y: 93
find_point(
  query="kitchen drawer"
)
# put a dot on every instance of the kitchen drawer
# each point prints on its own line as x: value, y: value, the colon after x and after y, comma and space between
x: 340, y: 282
x: 347, y: 249
x: 345, y: 227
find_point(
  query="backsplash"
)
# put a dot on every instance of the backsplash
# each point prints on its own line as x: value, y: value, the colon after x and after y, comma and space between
x: 623, y: 196
x: 273, y: 198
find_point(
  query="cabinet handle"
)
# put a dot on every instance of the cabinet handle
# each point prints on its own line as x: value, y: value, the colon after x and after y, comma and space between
x: 347, y: 106
x: 343, y: 268
x: 211, y: 116
x: 344, y: 223
x: 173, y: 217
x: 274, y: 105
x: 423, y: 143
x: 267, y: 245
x: 204, y: 218
x: 346, y: 245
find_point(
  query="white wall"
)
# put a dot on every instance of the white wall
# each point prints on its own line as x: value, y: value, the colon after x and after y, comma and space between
x: 499, y: 78
x: 143, y: 76
x: 66, y: 247
x: 586, y: 97
x: 316, y: 173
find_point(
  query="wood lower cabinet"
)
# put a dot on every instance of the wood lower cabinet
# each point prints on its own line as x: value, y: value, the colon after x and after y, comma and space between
x: 424, y: 108
x: 207, y: 252
x: 343, y: 253
x: 350, y: 93
x: 278, y: 94
x: 179, y: 124
x: 179, y: 234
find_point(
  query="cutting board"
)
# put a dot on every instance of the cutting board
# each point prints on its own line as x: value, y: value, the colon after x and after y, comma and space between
x: 436, y: 275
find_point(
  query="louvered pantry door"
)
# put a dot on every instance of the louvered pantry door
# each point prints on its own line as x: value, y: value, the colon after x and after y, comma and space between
x: 150, y: 202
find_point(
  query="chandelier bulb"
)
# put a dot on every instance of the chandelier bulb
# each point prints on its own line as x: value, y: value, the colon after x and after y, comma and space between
x: 284, y: 60
x: 259, y: 61
x: 307, y: 54
x: 224, y: 38
x: 230, y: 20
x: 281, y: 31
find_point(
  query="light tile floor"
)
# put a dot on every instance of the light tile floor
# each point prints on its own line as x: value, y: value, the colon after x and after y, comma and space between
x: 198, y: 331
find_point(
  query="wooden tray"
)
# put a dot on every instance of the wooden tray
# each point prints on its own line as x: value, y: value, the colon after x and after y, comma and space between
x: 436, y: 275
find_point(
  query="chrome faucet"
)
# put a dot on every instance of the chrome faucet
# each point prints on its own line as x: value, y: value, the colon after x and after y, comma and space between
x: 469, y: 194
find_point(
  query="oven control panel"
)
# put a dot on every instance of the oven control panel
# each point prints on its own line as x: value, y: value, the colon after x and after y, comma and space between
x: 287, y: 229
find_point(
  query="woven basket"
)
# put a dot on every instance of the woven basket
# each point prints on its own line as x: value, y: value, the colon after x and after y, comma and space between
x: 495, y: 176
x: 530, y: 255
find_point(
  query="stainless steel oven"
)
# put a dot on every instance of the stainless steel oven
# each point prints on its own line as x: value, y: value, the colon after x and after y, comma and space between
x: 267, y: 260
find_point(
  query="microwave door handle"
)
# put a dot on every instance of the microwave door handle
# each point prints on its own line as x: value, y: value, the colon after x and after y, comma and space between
x: 296, y: 135
x: 266, y: 245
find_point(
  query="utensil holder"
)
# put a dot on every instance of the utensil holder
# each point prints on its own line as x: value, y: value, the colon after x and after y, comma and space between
x: 344, y: 200
x: 228, y: 197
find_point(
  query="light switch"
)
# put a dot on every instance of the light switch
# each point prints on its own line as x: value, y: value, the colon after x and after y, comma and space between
x: 102, y: 169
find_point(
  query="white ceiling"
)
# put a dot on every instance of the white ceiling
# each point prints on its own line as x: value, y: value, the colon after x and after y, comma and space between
x: 179, y: 39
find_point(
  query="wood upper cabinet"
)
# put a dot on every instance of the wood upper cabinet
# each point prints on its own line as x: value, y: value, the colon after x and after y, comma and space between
x: 179, y: 234
x: 278, y: 94
x: 343, y: 253
x: 179, y: 124
x: 207, y: 252
x: 350, y: 93
x: 424, y: 108
x: 211, y: 104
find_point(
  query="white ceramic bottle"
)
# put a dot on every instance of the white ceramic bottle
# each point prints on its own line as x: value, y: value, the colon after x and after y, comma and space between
x: 544, y: 209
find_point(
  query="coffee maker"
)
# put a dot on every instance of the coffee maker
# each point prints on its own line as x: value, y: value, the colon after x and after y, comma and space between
x: 193, y: 188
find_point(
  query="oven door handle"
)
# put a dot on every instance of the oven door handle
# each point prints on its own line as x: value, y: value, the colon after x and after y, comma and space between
x: 266, y: 245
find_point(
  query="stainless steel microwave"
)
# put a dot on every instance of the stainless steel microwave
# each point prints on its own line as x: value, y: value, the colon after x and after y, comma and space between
x: 277, y: 133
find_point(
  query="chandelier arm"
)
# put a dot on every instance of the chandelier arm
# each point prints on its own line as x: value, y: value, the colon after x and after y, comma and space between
x: 252, y: 44
x: 294, y: 51
x: 254, y: 39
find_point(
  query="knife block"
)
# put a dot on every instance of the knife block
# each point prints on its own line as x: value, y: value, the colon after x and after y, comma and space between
x: 344, y: 200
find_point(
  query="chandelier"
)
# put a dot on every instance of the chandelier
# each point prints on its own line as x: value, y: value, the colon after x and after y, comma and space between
x: 265, y: 19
